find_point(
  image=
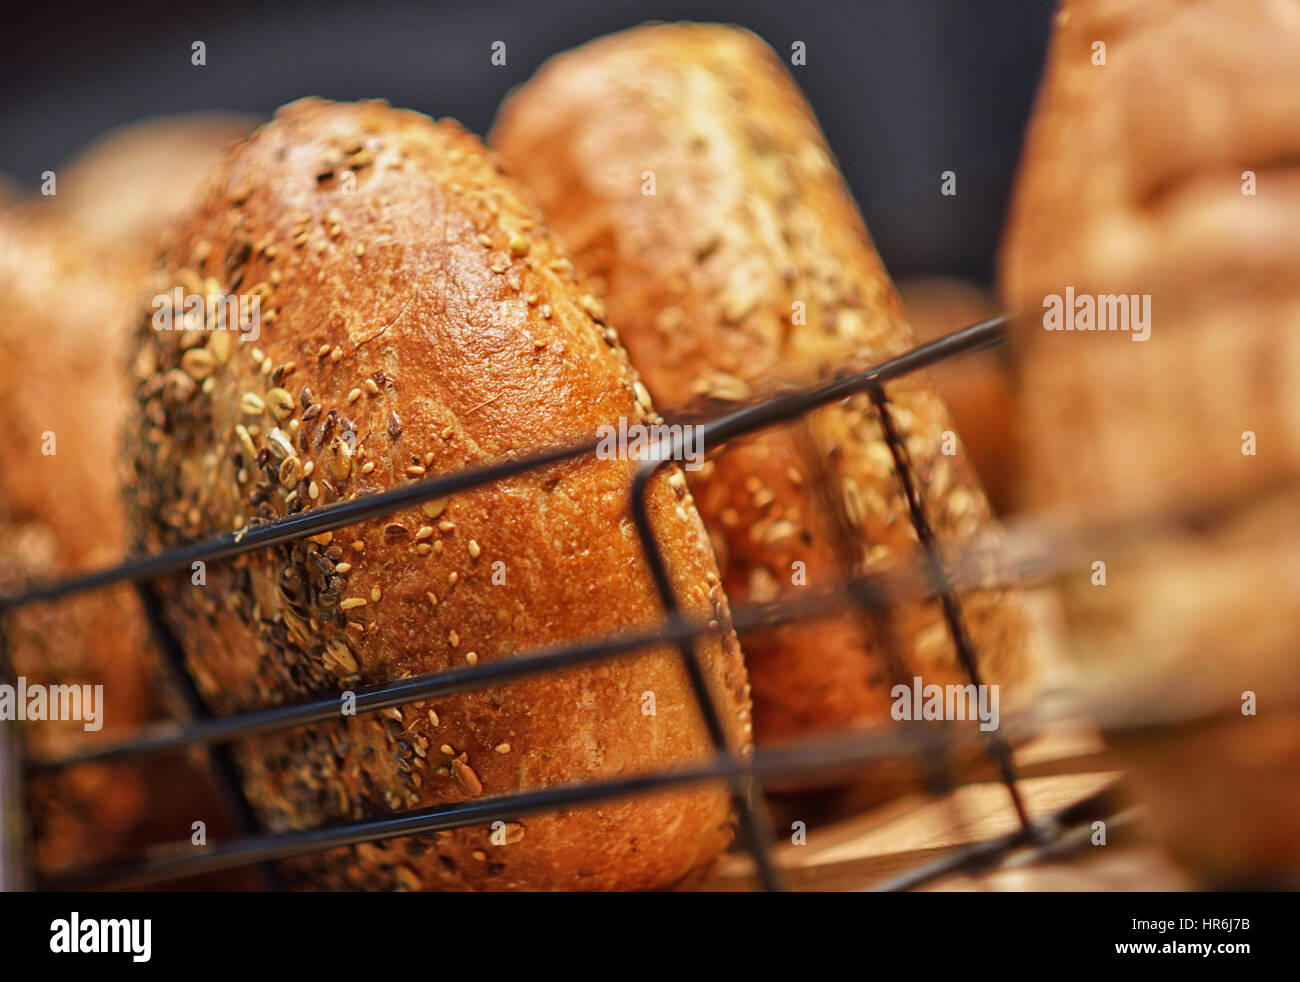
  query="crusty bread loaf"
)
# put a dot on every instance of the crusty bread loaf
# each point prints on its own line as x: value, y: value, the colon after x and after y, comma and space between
x: 1132, y: 182
x: 416, y: 320
x: 685, y: 172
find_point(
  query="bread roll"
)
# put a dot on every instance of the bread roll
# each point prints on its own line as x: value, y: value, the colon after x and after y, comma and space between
x: 685, y: 172
x: 1132, y: 183
x: 415, y: 321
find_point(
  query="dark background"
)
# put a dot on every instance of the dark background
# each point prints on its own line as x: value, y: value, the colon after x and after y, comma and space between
x: 905, y: 89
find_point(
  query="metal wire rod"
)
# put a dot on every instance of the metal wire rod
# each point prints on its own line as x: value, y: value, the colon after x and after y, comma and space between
x: 998, y: 747
x: 740, y: 776
x: 981, y: 857
x: 755, y: 825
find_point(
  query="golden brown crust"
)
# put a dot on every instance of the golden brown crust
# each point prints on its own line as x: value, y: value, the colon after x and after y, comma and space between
x: 420, y: 321
x: 1132, y: 183
x: 749, y: 261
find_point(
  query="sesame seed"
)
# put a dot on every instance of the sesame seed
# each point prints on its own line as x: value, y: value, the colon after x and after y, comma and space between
x: 452, y: 577
x: 354, y: 395
x: 313, y: 491
x: 453, y: 639
x: 503, y: 748
x: 433, y: 718
x: 433, y: 598
x: 322, y: 351
x: 358, y: 545
x: 474, y: 550
x: 343, y: 568
x: 336, y: 354
x: 424, y: 548
x: 471, y: 657
x: 425, y: 532
x: 415, y: 470
x: 308, y: 468
x: 351, y: 602
x: 519, y: 245
x: 434, y: 508
x: 447, y: 526
x: 367, y: 467
x: 375, y: 594
x: 447, y: 749
x: 372, y: 386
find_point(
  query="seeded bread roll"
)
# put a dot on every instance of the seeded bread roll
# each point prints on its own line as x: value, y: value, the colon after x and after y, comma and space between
x: 417, y: 321
x: 686, y: 174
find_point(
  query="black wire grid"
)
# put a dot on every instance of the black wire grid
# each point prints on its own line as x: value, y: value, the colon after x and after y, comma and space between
x: 868, y: 593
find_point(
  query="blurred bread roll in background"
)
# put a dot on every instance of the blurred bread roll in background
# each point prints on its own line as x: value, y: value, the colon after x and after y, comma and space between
x: 1168, y: 175
x: 123, y: 189
x: 70, y: 277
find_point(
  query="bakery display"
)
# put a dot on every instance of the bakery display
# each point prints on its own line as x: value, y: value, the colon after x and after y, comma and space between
x: 211, y: 333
